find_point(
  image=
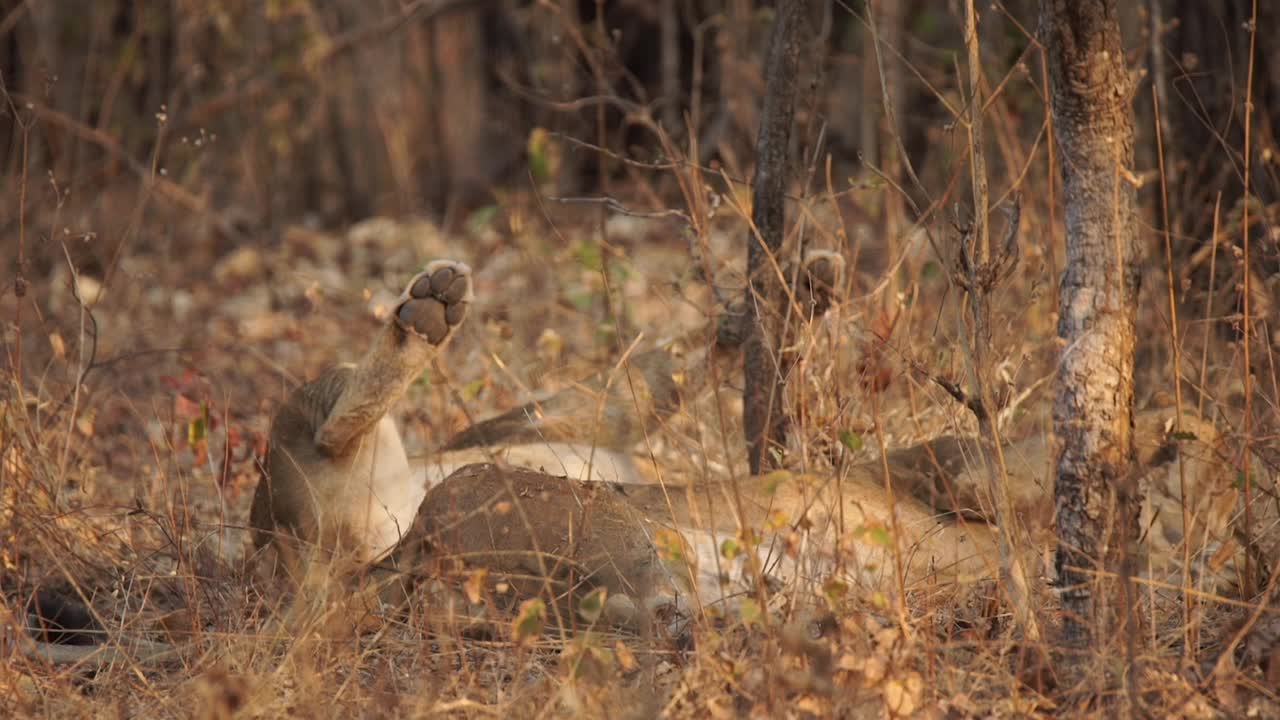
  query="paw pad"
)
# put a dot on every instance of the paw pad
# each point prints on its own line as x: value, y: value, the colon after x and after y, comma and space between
x: 435, y: 302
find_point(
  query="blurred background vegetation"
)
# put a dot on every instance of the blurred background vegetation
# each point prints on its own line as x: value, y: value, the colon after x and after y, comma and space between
x: 261, y: 114
x: 171, y: 135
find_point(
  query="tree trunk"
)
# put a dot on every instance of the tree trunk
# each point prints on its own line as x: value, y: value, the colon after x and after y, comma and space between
x: 461, y: 71
x: 762, y: 417
x: 1097, y: 500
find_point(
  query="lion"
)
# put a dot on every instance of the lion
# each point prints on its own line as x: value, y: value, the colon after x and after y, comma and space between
x: 547, y: 502
x: 552, y: 505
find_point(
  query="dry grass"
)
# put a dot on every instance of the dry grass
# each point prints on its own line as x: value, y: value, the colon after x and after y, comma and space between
x: 153, y: 352
x: 132, y: 491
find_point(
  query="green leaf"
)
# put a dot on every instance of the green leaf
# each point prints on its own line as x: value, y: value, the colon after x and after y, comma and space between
x: 481, y: 218
x: 198, y: 429
x: 620, y: 272
x: 670, y: 546
x: 730, y: 549
x: 834, y: 589
x: 749, y: 611
x: 196, y: 432
x: 776, y: 520
x: 581, y: 300
x: 588, y: 255
x: 592, y: 606
x: 880, y: 536
x: 530, y: 621
x: 539, y: 151
x: 775, y: 479
x: 603, y: 655
x: 872, y: 182
x: 606, y: 333
x: 1184, y: 435
x: 875, y: 534
x: 851, y: 440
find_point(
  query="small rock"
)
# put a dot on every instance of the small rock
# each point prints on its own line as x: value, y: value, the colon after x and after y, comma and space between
x: 242, y: 264
x: 89, y: 289
x: 181, y: 302
x: 264, y: 326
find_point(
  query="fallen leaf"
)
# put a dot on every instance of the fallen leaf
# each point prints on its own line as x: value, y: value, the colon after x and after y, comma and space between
x: 474, y: 586
x: 592, y: 605
x: 530, y: 621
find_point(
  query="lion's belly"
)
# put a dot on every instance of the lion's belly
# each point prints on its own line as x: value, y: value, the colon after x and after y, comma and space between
x: 578, y: 462
x: 379, y: 503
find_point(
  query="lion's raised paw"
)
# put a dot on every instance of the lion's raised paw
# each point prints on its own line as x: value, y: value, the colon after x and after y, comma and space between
x: 435, y: 301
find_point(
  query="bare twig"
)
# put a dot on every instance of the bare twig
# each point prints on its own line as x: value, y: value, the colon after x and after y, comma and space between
x: 168, y: 189
x: 1176, y: 344
x: 616, y: 206
x: 1247, y: 326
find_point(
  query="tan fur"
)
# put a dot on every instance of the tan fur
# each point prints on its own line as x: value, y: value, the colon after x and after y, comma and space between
x: 337, y: 476
x: 550, y: 503
x: 552, y: 506
x: 932, y: 532
x: 540, y: 534
x: 611, y: 410
x: 1173, y: 460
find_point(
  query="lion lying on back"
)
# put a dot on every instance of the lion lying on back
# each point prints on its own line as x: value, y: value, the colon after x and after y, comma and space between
x: 552, y: 508
x: 548, y: 499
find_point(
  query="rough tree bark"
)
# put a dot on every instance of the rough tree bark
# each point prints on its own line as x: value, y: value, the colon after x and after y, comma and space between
x: 1097, y: 499
x: 762, y: 416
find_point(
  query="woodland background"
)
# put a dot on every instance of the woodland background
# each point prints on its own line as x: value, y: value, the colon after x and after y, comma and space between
x: 205, y: 202
x: 267, y: 113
